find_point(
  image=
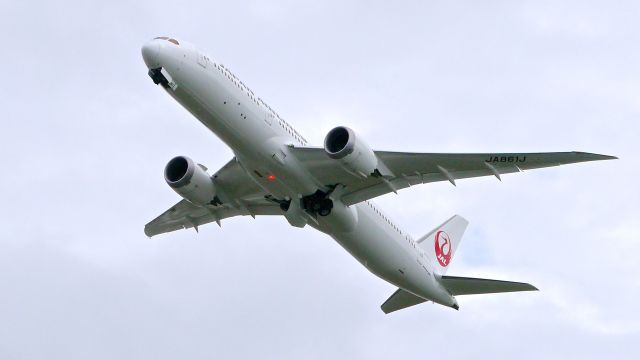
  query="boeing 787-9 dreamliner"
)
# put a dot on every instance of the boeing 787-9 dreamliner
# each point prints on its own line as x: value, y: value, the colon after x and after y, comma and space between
x: 275, y: 172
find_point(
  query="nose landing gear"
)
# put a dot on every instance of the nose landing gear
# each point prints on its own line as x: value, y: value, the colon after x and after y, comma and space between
x: 158, y: 78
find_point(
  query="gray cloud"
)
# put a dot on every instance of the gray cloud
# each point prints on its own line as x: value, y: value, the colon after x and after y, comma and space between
x: 85, y: 135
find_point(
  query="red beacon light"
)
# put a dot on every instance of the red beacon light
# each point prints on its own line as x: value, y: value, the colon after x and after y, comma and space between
x: 271, y: 177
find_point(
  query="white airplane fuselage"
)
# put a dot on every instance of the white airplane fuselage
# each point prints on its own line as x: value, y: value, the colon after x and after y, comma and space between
x: 261, y: 140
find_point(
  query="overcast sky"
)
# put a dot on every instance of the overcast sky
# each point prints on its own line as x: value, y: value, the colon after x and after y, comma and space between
x: 84, y: 137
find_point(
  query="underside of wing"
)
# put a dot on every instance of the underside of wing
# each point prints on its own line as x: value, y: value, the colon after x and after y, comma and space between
x: 408, y: 169
x: 237, y: 194
x: 185, y: 215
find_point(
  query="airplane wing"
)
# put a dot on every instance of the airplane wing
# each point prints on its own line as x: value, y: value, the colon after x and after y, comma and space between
x: 239, y: 196
x: 185, y: 215
x: 409, y: 169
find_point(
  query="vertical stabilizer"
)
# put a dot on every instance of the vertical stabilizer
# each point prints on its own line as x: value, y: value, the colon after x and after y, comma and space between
x: 441, y: 243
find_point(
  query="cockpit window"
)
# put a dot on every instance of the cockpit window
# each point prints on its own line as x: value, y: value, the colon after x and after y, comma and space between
x: 171, y: 40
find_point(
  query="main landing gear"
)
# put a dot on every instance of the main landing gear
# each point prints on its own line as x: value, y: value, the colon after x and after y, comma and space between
x: 318, y: 203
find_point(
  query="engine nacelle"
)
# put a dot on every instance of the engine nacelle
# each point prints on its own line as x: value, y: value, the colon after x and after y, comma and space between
x: 190, y: 180
x: 342, y: 144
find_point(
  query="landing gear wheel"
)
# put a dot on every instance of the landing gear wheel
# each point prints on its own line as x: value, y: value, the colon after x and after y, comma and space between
x: 284, y: 205
x: 317, y: 203
x: 324, y: 212
x: 325, y: 207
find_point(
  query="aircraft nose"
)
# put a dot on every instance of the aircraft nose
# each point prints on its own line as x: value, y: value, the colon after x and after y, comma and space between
x: 150, y: 52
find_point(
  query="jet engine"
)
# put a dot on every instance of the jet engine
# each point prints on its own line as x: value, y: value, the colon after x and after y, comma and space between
x: 190, y: 180
x: 355, y: 155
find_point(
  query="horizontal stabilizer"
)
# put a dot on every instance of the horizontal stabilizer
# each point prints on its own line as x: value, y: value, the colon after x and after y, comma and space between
x: 469, y: 286
x: 399, y: 300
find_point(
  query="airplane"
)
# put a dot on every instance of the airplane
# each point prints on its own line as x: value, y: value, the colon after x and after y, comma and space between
x: 276, y: 172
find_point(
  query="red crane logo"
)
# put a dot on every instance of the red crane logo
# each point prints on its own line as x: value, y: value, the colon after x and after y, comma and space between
x: 443, y: 248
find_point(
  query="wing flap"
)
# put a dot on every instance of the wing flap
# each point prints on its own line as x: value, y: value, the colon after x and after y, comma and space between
x: 470, y: 286
x: 400, y: 299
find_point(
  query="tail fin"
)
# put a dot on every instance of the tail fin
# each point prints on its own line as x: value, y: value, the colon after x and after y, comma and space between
x: 441, y: 243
